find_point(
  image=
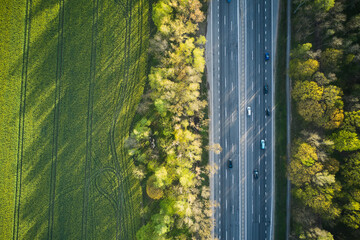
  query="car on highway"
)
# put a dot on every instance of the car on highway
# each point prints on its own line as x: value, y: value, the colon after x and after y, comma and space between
x: 249, y: 111
x: 256, y: 173
x: 230, y: 163
x: 262, y: 144
x: 266, y: 89
x: 267, y: 111
x: 267, y: 56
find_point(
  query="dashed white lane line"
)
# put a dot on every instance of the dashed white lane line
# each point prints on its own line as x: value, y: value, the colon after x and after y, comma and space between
x: 224, y: 20
x: 259, y: 68
x: 225, y: 82
x: 265, y: 24
x: 233, y: 179
x: 252, y: 25
x: 231, y: 25
x: 226, y: 176
x: 265, y: 32
x: 265, y: 9
x: 231, y: 55
x: 252, y: 86
x: 252, y: 55
x: 259, y: 99
x: 225, y: 143
x: 259, y: 37
x: 258, y: 7
x: 265, y: 100
x: 226, y: 205
x: 252, y: 147
x: 225, y: 113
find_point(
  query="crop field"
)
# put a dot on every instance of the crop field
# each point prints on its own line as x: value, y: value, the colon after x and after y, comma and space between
x: 72, y: 73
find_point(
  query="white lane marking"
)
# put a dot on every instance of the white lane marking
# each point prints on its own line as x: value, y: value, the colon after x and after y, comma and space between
x: 230, y: 25
x: 252, y: 55
x: 265, y: 49
x: 219, y: 185
x: 265, y: 17
x: 265, y: 185
x: 252, y: 147
x: 258, y: 7
x: 226, y: 204
x: 265, y: 9
x: 265, y: 176
x: 225, y: 143
x: 224, y: 20
x: 265, y: 70
x: 265, y: 2
x: 265, y: 100
x: 252, y: 208
x: 226, y: 235
x: 225, y: 113
x: 259, y: 37
x: 233, y: 179
x: 259, y: 103
x: 259, y: 68
x: 265, y: 32
x: 265, y: 24
x: 225, y: 174
x: 265, y: 78
x: 259, y: 218
x: 265, y: 40
x: 252, y: 86
x: 225, y: 50
x: 231, y: 55
x: 232, y: 209
x: 265, y: 131
x: 252, y: 25
x: 232, y: 86
x: 225, y: 82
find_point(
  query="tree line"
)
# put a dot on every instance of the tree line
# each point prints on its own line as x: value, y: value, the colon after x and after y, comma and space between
x: 325, y: 161
x: 166, y: 142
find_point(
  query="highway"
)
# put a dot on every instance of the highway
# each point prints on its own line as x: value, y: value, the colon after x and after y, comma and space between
x: 238, y: 35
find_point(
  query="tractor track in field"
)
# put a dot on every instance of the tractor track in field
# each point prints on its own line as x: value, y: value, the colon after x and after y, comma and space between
x: 57, y: 99
x: 22, y: 104
x: 118, y: 101
x: 89, y: 124
x: 130, y: 91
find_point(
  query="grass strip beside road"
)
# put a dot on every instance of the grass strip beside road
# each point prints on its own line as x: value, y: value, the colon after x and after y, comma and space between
x: 280, y: 128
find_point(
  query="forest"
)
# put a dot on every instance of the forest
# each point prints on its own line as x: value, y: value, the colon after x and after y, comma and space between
x: 325, y: 152
x: 167, y: 143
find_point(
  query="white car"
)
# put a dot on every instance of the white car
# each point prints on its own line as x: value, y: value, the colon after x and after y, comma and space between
x: 249, y: 111
x: 262, y: 144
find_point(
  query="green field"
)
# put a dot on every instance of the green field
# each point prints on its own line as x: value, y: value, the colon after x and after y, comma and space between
x: 72, y: 74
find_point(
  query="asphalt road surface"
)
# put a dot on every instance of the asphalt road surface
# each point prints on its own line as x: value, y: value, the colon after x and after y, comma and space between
x: 239, y: 33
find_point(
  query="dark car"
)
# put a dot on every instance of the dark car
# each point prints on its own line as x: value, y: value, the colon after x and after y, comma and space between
x: 267, y: 111
x: 230, y: 163
x: 267, y: 56
x: 256, y: 173
x: 266, y: 89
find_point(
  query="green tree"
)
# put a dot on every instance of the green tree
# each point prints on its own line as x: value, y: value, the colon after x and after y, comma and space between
x: 331, y: 60
x: 302, y: 70
x: 345, y: 141
x: 161, y: 13
x: 324, y: 4
x: 304, y: 164
x: 307, y: 90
